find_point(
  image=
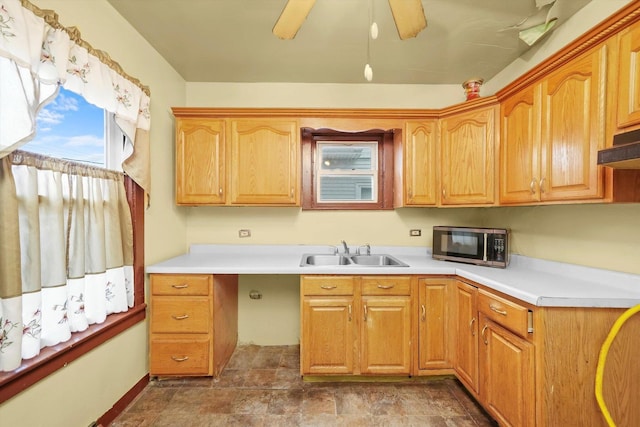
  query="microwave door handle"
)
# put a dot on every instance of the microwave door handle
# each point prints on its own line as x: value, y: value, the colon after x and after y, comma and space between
x: 484, y: 254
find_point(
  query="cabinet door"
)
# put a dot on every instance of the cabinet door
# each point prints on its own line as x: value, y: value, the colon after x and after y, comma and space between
x: 573, y: 128
x: 468, y: 157
x: 466, y: 333
x: 629, y: 77
x: 327, y: 335
x: 264, y: 164
x: 507, y: 375
x: 520, y: 147
x: 432, y: 329
x: 200, y: 161
x: 420, y: 163
x: 386, y: 335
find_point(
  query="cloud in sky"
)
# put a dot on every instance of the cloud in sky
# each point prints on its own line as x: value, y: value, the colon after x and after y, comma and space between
x: 49, y: 117
x: 64, y: 103
x: 84, y: 141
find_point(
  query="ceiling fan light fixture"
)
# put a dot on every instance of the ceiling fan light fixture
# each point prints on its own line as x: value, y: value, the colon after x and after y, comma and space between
x: 374, y: 31
x: 368, y: 72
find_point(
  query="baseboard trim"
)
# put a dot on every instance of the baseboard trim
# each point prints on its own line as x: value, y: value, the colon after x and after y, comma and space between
x: 123, y: 402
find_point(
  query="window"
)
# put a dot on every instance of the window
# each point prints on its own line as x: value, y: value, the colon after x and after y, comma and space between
x: 71, y: 129
x: 344, y: 170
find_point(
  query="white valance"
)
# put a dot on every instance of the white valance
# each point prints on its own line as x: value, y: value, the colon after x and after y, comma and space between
x: 37, y: 56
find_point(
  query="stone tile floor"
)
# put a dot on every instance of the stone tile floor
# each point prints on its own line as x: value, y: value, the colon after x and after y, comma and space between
x: 261, y: 386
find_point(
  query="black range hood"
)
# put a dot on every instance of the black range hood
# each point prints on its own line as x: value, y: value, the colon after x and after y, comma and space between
x: 625, y: 153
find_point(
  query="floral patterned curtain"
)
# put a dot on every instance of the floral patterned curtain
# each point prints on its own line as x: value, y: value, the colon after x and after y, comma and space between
x: 66, y: 245
x: 37, y: 55
x: 67, y: 252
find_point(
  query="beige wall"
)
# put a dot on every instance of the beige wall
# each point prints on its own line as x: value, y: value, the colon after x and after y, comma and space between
x: 88, y: 387
x: 578, y: 233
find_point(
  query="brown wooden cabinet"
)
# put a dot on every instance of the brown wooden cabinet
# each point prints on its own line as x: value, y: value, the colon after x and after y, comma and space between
x: 419, y: 164
x: 468, y: 156
x: 353, y: 325
x: 243, y: 162
x: 506, y: 360
x: 507, y: 375
x: 193, y: 323
x: 433, y: 326
x: 264, y: 162
x: 328, y: 337
x: 573, y: 128
x: 466, y: 335
x: 628, y: 85
x: 200, y: 161
x: 386, y: 327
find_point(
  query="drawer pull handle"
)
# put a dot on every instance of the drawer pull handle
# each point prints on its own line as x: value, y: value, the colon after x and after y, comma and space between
x: 328, y: 287
x: 473, y: 330
x: 385, y: 286
x: 184, y: 316
x: 365, y: 313
x: 184, y: 286
x: 180, y: 359
x: 497, y: 310
x: 349, y: 312
x: 532, y: 186
x: 424, y: 313
x: 484, y: 339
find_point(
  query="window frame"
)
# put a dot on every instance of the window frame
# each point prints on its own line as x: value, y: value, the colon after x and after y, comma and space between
x: 53, y: 358
x: 384, y: 138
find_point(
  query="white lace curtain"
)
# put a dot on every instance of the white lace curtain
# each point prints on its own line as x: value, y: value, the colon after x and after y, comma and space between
x: 67, y: 252
x: 37, y: 55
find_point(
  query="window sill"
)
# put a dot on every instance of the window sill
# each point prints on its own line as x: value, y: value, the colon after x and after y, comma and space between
x: 53, y: 358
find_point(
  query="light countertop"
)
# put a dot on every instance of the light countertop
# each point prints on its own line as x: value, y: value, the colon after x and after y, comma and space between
x: 535, y: 281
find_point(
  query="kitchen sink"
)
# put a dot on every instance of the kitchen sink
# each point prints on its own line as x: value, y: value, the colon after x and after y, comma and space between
x: 324, y: 259
x: 374, y: 260
x: 377, y: 260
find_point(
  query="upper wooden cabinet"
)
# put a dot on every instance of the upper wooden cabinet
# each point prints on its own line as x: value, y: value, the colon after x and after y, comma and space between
x: 237, y: 162
x: 573, y: 128
x: 551, y: 133
x: 264, y: 164
x: 200, y: 161
x: 628, y: 92
x: 467, y: 159
x: 419, y: 164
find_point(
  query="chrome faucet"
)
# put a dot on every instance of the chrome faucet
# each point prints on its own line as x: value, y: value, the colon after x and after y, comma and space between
x: 367, y: 247
x: 346, y: 248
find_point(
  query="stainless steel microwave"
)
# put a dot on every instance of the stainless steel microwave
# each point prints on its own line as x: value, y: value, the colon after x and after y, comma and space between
x: 480, y: 246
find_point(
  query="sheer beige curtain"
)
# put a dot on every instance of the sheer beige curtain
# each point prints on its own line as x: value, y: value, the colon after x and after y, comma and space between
x: 67, y: 243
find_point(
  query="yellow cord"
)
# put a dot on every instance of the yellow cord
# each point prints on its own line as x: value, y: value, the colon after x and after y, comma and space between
x: 603, y: 358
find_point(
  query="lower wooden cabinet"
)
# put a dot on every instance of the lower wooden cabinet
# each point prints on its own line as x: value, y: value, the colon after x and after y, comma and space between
x: 466, y: 335
x: 193, y: 323
x: 434, y: 336
x: 354, y: 325
x: 507, y: 375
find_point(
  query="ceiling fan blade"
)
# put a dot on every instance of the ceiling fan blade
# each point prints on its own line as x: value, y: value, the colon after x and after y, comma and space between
x: 291, y: 18
x: 409, y: 17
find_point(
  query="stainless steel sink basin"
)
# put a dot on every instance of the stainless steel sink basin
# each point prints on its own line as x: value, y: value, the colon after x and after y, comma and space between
x: 377, y: 260
x: 374, y: 260
x: 324, y: 259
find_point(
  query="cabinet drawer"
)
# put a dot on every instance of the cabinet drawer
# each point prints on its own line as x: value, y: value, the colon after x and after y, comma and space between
x: 179, y: 356
x: 180, y: 284
x: 322, y: 285
x: 180, y: 315
x: 386, y: 285
x: 504, y: 312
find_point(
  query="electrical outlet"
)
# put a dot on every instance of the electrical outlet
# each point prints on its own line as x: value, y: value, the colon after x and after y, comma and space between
x: 244, y: 233
x: 415, y: 232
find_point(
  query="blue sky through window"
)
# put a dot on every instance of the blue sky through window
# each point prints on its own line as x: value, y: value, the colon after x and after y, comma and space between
x: 70, y: 128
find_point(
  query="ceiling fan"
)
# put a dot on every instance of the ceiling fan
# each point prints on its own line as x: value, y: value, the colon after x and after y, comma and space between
x: 407, y: 14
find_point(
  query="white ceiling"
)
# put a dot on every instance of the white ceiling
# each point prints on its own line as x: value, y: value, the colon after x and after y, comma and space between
x: 231, y: 40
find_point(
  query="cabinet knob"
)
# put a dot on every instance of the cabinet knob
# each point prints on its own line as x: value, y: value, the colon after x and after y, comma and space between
x: 533, y: 186
x: 542, y: 181
x: 424, y: 313
x: 220, y: 191
x: 444, y: 192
